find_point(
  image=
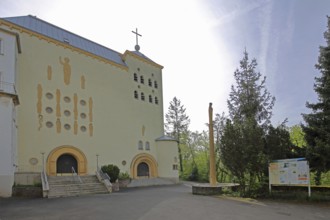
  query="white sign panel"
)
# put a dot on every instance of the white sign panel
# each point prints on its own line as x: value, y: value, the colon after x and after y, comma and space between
x: 289, y: 172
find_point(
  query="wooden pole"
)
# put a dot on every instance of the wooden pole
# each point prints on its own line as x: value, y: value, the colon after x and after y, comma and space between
x: 213, y: 181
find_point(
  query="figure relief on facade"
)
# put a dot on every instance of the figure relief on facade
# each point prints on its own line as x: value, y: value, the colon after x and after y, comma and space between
x: 91, y: 129
x: 75, y: 127
x: 58, y: 106
x: 49, y: 72
x: 143, y: 130
x: 75, y: 106
x: 90, y: 104
x: 39, y: 106
x: 66, y: 70
x: 82, y: 82
x: 58, y: 126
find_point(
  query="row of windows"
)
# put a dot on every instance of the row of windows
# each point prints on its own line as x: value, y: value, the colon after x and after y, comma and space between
x: 151, y: 99
x: 147, y: 145
x: 150, y: 83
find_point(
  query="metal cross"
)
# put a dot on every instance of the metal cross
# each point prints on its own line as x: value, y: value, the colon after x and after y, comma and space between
x: 137, y: 35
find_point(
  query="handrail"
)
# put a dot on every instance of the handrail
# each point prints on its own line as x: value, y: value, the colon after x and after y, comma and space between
x: 104, y: 176
x: 45, y: 184
x: 74, y: 173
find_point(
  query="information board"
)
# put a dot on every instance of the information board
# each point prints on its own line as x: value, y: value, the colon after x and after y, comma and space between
x: 289, y: 172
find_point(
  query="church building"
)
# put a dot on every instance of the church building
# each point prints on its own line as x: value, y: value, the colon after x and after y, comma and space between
x: 67, y: 103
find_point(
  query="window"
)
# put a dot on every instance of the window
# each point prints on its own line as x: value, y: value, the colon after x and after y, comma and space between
x: 141, y: 79
x: 142, y: 96
x: 1, y: 46
x: 156, y: 84
x: 150, y: 98
x: 135, y: 77
x: 147, y: 145
x: 136, y: 95
x: 156, y: 100
x: 150, y: 82
x: 175, y: 167
x: 140, y: 145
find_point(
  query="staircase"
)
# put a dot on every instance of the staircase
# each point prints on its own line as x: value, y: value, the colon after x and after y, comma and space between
x: 64, y: 186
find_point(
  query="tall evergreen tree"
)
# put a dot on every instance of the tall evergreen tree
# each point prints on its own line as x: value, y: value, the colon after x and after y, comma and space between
x: 250, y: 105
x: 317, y: 128
x: 177, y: 123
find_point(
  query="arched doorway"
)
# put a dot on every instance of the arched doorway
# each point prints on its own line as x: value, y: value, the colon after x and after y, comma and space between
x: 66, y: 156
x: 65, y: 163
x: 144, y: 165
x: 143, y: 170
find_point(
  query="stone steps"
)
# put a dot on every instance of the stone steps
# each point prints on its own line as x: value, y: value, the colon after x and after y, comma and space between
x: 64, y: 186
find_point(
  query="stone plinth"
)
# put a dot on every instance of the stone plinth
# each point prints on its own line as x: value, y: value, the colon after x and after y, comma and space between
x: 206, y: 189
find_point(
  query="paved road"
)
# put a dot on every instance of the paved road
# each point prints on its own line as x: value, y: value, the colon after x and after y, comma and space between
x: 155, y: 203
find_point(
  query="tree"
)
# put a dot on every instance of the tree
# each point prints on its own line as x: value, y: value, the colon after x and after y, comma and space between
x: 250, y: 106
x: 297, y: 136
x: 177, y: 123
x: 317, y: 128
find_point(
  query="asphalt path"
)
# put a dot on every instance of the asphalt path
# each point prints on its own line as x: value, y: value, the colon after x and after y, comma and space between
x: 157, y: 203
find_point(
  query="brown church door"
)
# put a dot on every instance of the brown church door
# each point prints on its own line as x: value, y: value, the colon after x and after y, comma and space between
x: 65, y: 163
x: 143, y: 170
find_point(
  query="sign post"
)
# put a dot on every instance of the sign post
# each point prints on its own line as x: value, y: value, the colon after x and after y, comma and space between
x: 289, y: 172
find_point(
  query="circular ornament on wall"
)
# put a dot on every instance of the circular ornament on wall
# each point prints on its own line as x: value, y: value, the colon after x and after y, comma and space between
x: 33, y: 161
x: 67, y: 99
x: 49, y: 124
x: 83, y: 115
x: 123, y: 162
x: 49, y: 110
x: 67, y: 127
x: 67, y: 113
x: 82, y: 102
x: 49, y: 95
x: 83, y: 128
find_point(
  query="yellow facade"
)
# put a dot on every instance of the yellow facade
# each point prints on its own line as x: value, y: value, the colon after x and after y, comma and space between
x: 76, y: 103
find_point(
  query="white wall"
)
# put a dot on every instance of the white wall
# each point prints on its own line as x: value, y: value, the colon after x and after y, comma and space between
x: 8, y: 130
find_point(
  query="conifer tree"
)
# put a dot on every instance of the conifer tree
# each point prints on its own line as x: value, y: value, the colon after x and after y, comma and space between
x: 250, y: 105
x: 317, y: 128
x: 177, y: 123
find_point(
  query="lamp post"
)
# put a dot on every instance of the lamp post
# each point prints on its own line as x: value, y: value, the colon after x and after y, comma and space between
x: 97, y: 162
x: 43, y: 161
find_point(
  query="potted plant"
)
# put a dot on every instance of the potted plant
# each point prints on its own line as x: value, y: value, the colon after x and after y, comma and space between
x: 124, y: 179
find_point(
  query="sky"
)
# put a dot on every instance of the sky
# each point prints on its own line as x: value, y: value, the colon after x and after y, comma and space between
x: 200, y: 44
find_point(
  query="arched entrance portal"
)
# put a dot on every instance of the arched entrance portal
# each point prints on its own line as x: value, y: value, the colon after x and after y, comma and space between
x: 144, y: 165
x: 143, y: 170
x: 61, y: 159
x: 65, y: 163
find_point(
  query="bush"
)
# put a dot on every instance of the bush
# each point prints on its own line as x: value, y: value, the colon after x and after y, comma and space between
x: 112, y: 170
x: 123, y: 176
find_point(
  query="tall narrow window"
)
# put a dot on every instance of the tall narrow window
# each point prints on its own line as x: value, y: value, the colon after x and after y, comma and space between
x: 136, y: 95
x: 156, y: 84
x: 135, y: 77
x: 156, y: 100
x: 150, y: 82
x: 142, y: 96
x: 147, y: 145
x: 140, y: 145
x: 150, y: 98
x: 141, y: 79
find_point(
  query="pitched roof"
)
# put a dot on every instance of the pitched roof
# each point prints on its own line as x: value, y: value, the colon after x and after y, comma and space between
x: 39, y: 26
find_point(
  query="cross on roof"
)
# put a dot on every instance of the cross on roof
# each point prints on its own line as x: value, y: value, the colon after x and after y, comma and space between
x: 137, y: 47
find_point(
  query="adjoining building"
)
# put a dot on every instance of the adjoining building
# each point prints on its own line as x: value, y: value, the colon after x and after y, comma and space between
x: 67, y: 102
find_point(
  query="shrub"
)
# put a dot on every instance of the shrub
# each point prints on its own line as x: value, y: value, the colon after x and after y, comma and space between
x: 123, y: 176
x: 112, y: 171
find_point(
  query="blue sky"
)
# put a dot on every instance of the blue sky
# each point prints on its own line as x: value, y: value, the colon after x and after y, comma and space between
x: 200, y: 44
